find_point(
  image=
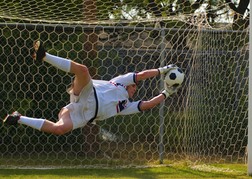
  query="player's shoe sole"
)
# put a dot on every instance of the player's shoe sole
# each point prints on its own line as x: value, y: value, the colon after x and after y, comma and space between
x: 12, y: 119
x: 40, y: 51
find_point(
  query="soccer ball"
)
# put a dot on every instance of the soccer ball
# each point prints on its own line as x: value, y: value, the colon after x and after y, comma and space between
x: 174, y: 77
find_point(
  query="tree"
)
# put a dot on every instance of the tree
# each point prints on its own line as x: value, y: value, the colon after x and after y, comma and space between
x: 241, y: 20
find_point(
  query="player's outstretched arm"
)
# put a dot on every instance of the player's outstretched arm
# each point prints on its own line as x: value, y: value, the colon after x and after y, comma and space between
x: 154, y: 72
x: 147, y: 74
x: 168, y: 91
x: 145, y: 105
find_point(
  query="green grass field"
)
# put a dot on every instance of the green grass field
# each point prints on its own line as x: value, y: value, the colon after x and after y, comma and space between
x: 164, y: 172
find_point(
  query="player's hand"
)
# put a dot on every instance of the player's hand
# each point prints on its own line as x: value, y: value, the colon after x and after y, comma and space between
x: 166, y: 69
x: 169, y: 90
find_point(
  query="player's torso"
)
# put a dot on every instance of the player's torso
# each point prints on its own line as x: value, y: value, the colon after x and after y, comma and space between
x: 112, y: 98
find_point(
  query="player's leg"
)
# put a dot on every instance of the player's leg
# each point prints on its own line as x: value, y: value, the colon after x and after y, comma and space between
x: 41, y: 55
x: 82, y: 76
x: 61, y: 127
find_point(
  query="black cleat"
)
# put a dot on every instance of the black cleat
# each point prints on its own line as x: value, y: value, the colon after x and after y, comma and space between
x: 40, y: 51
x: 12, y: 119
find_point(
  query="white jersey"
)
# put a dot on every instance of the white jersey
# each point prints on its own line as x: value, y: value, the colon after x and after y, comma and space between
x: 113, y: 98
x: 100, y: 100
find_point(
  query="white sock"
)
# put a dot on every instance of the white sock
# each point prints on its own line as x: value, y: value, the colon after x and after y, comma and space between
x: 61, y: 63
x: 32, y: 122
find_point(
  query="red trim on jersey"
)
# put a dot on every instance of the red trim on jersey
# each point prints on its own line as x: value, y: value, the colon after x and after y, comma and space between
x: 118, y: 84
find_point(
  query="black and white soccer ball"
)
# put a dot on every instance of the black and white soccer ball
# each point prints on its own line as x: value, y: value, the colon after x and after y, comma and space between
x: 174, y: 77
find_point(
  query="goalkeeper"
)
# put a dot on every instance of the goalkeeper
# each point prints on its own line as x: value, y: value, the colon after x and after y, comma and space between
x: 92, y: 100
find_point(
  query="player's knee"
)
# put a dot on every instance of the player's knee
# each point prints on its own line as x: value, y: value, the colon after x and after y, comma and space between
x: 82, y: 69
x: 78, y: 69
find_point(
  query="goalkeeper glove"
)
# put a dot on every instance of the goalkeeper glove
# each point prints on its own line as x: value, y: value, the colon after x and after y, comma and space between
x: 166, y: 69
x: 169, y: 90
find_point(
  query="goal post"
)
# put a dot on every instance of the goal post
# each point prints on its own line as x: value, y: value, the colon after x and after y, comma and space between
x: 249, y: 149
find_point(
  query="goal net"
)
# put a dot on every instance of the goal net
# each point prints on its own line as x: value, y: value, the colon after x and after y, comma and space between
x: 206, y: 121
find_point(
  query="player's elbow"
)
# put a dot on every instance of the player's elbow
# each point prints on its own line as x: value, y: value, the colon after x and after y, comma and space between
x: 142, y: 75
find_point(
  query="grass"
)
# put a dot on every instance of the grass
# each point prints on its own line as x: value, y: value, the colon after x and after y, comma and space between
x: 224, y: 171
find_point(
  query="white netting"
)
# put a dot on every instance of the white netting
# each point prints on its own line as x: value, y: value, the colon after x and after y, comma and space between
x: 205, y: 121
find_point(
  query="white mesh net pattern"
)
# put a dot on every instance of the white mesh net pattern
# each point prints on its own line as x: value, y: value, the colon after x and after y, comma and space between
x: 205, y: 121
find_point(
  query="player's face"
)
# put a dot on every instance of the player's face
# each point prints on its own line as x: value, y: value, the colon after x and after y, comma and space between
x: 131, y: 90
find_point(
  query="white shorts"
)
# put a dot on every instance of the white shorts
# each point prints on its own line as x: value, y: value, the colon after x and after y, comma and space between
x: 83, y: 107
